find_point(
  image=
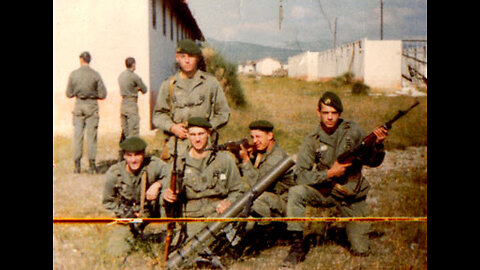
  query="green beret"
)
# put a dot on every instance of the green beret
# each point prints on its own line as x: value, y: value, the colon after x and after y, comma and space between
x: 331, y: 99
x: 198, y: 122
x: 188, y: 46
x: 133, y: 144
x: 261, y: 125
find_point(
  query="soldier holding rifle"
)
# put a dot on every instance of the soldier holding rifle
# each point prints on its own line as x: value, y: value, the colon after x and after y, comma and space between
x: 131, y: 190
x: 318, y: 167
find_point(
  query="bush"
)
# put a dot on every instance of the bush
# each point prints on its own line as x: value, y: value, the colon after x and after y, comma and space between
x: 360, y: 88
x: 226, y: 74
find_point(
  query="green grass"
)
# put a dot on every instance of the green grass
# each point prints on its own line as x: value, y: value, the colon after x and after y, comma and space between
x: 398, y: 189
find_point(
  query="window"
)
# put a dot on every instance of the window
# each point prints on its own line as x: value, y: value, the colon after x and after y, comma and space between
x: 154, y: 14
x: 164, y: 18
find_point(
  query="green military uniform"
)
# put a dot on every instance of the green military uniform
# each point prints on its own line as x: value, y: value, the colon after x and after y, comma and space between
x: 130, y: 83
x: 87, y: 86
x: 273, y: 201
x: 122, y: 194
x: 200, y: 96
x: 316, y: 155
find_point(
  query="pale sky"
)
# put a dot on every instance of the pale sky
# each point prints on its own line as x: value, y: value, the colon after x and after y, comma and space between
x: 257, y: 21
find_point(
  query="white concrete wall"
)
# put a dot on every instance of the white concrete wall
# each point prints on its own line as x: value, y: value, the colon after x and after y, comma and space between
x: 304, y: 66
x: 111, y: 30
x: 383, y: 64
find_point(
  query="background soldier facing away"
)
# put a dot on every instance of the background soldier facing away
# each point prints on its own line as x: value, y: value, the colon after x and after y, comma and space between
x: 130, y: 84
x: 123, y: 192
x: 317, y: 165
x: 87, y: 86
x: 190, y: 92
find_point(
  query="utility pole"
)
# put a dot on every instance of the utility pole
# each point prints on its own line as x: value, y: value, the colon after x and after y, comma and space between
x: 381, y: 19
x: 335, y: 34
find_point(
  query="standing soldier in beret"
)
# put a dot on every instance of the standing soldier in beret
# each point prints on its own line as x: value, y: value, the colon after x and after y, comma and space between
x: 317, y: 165
x: 130, y: 84
x: 211, y: 181
x: 87, y: 86
x: 190, y: 92
x: 132, y: 190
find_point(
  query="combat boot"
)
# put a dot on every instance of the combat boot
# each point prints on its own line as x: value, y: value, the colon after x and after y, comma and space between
x: 297, y: 251
x: 77, y: 166
x: 93, y: 169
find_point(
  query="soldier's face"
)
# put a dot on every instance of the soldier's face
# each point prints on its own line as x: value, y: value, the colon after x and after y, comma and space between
x: 134, y: 160
x: 187, y: 62
x: 328, y: 115
x: 198, y: 137
x: 261, y: 139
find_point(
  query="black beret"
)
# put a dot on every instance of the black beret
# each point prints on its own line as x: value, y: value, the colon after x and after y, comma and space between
x: 261, y: 125
x: 331, y: 99
x: 198, y: 122
x: 133, y: 144
x: 188, y: 46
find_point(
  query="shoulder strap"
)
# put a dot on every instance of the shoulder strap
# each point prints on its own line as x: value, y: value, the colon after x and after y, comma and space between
x: 170, y: 91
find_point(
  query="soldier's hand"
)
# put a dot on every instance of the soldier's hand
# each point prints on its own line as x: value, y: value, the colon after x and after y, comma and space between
x: 169, y: 196
x: 223, y: 205
x: 337, y: 169
x: 153, y: 190
x: 381, y: 134
x: 243, y: 154
x: 179, y: 130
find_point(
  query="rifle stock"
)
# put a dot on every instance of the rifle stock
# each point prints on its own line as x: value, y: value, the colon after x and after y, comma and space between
x: 171, y: 207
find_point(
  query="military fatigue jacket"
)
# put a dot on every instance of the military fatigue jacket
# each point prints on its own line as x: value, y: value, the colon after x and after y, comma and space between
x: 267, y: 163
x: 209, y: 180
x: 86, y: 83
x: 122, y: 189
x: 128, y: 82
x: 319, y: 151
x: 204, y: 97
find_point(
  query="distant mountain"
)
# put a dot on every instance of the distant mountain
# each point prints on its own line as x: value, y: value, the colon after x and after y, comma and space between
x: 241, y: 52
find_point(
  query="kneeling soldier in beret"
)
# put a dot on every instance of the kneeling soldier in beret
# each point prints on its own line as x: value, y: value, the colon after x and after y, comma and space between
x: 211, y: 181
x: 132, y: 190
x: 316, y: 167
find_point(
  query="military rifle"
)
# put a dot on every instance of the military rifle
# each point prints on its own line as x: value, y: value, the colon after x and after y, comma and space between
x: 171, y: 209
x: 356, y: 153
x: 201, y: 241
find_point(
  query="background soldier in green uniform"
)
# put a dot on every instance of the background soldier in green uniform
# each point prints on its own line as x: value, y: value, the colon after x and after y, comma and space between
x: 211, y: 181
x: 132, y: 188
x: 87, y: 86
x: 130, y: 84
x: 190, y: 92
x: 316, y: 166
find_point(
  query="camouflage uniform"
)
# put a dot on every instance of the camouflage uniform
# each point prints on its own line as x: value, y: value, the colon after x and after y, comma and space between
x: 130, y: 83
x: 316, y: 155
x: 122, y: 193
x: 201, y: 96
x: 273, y: 201
x: 87, y: 86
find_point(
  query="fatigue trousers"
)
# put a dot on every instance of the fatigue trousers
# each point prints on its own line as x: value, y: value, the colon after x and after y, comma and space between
x: 302, y: 195
x: 129, y: 118
x: 85, y: 118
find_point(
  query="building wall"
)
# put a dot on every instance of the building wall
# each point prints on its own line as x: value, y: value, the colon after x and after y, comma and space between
x: 267, y: 66
x: 111, y: 30
x: 383, y: 64
x: 304, y: 66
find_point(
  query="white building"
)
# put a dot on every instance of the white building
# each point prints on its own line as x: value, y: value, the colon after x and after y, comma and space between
x: 376, y: 62
x: 112, y: 30
x: 267, y: 66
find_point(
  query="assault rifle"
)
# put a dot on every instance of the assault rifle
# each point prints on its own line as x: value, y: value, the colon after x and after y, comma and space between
x: 356, y: 153
x: 201, y: 241
x: 232, y: 146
